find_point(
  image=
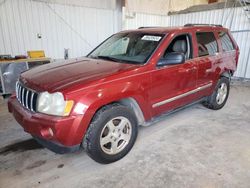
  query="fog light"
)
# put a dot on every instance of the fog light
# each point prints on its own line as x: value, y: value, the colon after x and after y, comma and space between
x: 47, y: 133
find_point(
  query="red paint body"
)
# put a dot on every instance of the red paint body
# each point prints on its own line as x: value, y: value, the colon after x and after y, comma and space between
x: 96, y: 83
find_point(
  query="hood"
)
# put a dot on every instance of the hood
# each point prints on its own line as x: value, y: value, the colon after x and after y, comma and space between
x: 56, y: 76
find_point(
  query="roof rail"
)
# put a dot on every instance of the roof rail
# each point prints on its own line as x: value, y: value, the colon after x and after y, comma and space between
x: 190, y: 25
x: 148, y: 27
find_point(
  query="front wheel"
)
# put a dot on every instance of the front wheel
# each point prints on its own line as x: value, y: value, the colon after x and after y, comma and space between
x: 219, y: 97
x: 111, y: 134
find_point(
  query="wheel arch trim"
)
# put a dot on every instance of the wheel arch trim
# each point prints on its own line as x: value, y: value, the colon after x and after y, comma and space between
x: 134, y: 106
x: 228, y: 74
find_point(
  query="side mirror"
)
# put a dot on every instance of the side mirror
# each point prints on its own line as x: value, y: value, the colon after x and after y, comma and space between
x: 173, y: 58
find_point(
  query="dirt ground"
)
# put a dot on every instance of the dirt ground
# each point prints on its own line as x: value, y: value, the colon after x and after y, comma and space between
x: 195, y: 147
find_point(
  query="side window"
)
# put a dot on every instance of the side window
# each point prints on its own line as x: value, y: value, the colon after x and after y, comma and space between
x: 207, y: 44
x: 226, y: 42
x: 181, y: 44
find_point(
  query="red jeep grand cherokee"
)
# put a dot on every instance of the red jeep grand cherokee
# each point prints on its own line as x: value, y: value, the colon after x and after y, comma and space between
x: 98, y: 102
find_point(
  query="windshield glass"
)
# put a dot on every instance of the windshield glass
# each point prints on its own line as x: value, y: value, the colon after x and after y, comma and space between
x: 127, y: 47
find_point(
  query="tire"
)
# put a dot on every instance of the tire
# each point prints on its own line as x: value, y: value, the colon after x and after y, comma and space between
x: 111, y: 134
x: 219, y: 97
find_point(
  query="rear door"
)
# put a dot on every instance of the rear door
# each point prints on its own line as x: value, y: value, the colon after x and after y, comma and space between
x: 207, y: 56
x: 229, y: 56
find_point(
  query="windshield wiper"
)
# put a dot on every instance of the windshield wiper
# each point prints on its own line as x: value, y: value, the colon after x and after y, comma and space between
x: 109, y: 58
x: 93, y: 57
x: 114, y: 59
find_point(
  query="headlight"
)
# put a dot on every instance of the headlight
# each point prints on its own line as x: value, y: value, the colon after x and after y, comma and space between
x: 54, y: 104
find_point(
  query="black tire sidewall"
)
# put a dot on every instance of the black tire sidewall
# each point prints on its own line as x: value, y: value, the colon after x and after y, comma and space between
x: 93, y: 135
x: 213, y: 102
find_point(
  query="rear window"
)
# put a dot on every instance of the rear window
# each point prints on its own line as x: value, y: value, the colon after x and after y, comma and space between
x: 207, y: 44
x: 226, y: 42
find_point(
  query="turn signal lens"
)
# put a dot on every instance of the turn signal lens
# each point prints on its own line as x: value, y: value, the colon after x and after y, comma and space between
x: 68, y: 107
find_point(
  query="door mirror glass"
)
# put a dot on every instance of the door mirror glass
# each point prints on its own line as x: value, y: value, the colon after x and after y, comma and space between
x: 173, y: 58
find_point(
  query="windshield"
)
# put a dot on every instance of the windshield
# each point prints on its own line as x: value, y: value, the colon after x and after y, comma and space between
x: 127, y: 47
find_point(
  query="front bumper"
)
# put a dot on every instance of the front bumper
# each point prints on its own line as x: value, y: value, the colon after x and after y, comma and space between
x: 56, y: 147
x: 65, y: 132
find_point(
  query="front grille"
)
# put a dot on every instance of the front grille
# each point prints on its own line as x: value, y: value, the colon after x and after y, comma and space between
x: 26, y: 97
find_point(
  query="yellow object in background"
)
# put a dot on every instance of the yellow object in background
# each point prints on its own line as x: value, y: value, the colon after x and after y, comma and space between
x: 36, y: 54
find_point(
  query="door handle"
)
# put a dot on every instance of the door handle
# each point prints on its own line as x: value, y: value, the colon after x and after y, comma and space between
x: 187, y: 70
x: 192, y: 69
x: 208, y: 70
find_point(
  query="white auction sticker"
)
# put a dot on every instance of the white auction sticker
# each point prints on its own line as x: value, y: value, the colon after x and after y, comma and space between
x: 151, y: 38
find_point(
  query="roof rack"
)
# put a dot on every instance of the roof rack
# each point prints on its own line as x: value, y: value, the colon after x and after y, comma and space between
x: 190, y: 25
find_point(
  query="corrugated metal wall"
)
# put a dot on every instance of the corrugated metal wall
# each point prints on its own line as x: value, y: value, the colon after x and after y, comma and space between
x: 77, y: 28
x: 81, y: 28
x: 135, y: 20
x: 232, y: 18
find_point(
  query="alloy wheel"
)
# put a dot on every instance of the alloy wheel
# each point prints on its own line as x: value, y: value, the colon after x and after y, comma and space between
x: 115, y: 135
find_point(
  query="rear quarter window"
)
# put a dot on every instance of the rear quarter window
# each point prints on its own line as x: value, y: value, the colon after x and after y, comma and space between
x: 207, y: 44
x: 226, y: 42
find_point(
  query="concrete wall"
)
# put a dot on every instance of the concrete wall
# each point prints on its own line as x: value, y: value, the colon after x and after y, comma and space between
x: 160, y: 7
x: 77, y: 28
x: 180, y: 5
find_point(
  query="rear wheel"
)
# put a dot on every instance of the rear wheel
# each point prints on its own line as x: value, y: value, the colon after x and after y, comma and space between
x: 219, y: 97
x: 111, y: 134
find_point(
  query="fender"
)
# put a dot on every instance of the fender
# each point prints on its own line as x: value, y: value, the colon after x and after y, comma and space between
x: 99, y: 97
x: 219, y: 72
x: 127, y: 92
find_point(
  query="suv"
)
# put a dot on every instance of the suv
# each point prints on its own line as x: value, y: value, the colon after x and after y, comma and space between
x: 98, y: 101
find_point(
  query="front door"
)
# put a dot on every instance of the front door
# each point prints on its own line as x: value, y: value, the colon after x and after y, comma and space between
x: 173, y: 85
